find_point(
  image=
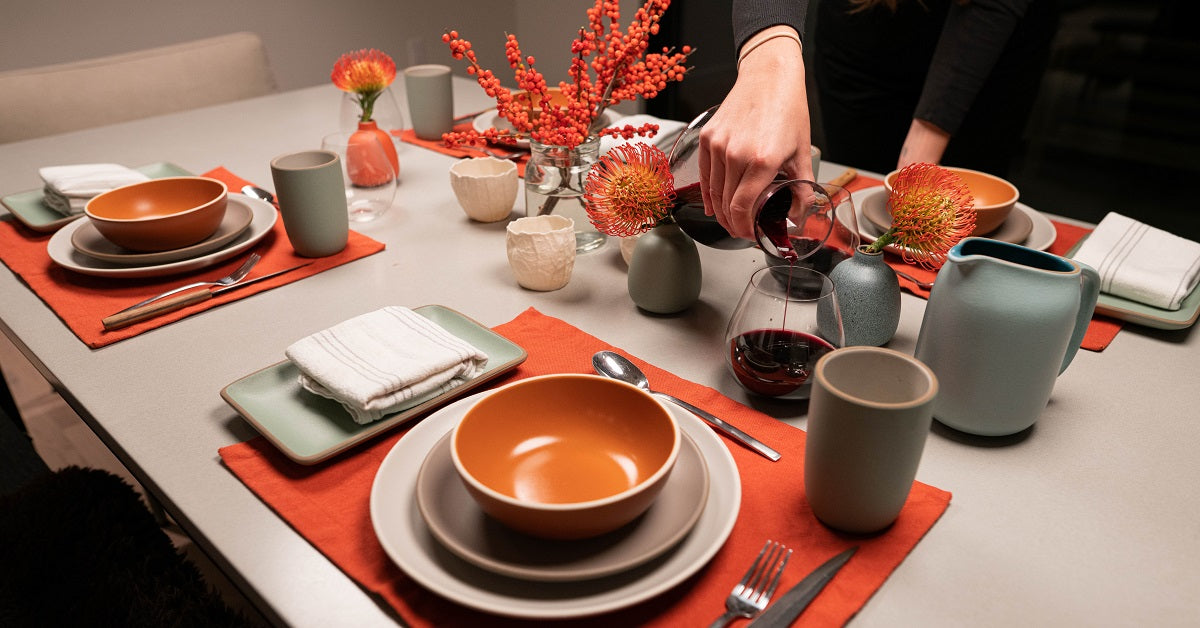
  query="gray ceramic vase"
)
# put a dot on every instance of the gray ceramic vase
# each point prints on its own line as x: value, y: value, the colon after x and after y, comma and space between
x: 664, y: 272
x: 868, y: 293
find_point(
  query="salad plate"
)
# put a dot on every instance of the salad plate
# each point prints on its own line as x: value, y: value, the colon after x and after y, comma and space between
x: 410, y: 544
x: 309, y: 428
x: 491, y: 119
x: 64, y: 253
x: 454, y: 517
x: 87, y: 240
x: 30, y: 208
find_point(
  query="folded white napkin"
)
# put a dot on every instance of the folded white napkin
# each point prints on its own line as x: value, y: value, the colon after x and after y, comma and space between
x: 375, y: 363
x: 69, y: 188
x: 1141, y: 263
x: 668, y: 130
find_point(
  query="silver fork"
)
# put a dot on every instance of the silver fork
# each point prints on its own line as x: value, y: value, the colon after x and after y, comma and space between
x: 750, y: 596
x: 227, y: 280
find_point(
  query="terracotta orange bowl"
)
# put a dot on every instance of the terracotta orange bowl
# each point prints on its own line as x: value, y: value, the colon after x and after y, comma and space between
x: 566, y: 456
x: 995, y: 198
x: 160, y: 214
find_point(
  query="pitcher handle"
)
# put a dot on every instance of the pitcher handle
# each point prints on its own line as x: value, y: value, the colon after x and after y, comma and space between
x: 1089, y: 291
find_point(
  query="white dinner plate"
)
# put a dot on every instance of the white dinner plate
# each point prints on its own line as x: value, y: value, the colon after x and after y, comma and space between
x: 409, y: 543
x: 493, y: 120
x: 63, y: 253
x: 1041, y: 236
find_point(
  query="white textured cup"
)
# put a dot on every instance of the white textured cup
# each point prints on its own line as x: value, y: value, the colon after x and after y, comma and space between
x: 485, y: 187
x: 868, y: 419
x: 430, y: 99
x: 816, y: 162
x: 541, y: 251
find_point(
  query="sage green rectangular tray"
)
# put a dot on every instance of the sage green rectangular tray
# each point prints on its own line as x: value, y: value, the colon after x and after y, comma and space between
x: 309, y: 428
x: 1147, y: 315
x: 30, y: 208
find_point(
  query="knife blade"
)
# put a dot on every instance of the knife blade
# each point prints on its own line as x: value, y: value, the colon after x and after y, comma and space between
x: 789, y: 607
x: 150, y: 310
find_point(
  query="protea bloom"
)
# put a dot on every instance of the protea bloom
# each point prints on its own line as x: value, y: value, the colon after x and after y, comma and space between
x: 932, y: 209
x: 629, y: 190
x: 365, y: 73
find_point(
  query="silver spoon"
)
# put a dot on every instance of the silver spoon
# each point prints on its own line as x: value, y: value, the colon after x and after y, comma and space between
x: 613, y: 365
x: 924, y: 285
x: 257, y: 192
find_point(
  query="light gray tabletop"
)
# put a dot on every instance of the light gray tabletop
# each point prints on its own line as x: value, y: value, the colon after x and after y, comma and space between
x: 1092, y: 518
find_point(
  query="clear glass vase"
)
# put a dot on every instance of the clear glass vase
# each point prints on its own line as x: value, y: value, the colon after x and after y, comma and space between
x: 554, y: 179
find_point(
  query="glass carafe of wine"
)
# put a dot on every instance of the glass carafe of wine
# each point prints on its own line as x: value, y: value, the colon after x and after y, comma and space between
x: 793, y: 220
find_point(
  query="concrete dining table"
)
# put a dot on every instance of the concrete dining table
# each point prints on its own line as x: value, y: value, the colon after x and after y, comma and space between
x: 1092, y: 517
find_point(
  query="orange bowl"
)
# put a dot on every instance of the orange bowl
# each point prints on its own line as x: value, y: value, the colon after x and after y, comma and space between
x: 995, y: 198
x: 565, y: 456
x: 160, y: 214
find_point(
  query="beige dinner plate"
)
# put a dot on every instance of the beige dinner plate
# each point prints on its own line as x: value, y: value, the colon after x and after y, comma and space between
x: 457, y: 521
x: 87, y: 240
x: 1015, y: 229
x: 408, y: 541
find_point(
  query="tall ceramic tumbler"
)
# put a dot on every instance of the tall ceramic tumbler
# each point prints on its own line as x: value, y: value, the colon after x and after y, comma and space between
x: 312, y: 201
x: 430, y: 100
x: 868, y: 419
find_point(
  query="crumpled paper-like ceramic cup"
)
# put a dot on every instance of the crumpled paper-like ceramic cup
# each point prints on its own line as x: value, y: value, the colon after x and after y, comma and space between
x: 541, y: 251
x: 485, y: 187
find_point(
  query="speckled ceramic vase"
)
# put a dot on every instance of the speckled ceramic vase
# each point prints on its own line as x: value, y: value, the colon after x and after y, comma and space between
x: 869, y: 294
x: 664, y: 272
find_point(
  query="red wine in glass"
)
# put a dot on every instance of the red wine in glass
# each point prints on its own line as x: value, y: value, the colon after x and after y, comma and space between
x: 688, y: 212
x: 775, y: 362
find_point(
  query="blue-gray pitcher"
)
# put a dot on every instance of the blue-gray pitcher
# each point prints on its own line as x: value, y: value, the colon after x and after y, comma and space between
x: 1003, y: 321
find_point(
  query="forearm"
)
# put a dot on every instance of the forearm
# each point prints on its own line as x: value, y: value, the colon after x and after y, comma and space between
x: 752, y: 16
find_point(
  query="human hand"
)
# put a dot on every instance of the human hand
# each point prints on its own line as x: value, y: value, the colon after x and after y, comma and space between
x: 760, y: 130
x: 925, y: 143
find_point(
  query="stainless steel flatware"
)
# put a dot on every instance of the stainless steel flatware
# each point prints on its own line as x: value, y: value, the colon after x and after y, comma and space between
x: 616, y: 366
x: 924, y: 285
x: 257, y: 192
x: 154, y: 308
x: 789, y: 607
x: 227, y: 280
x: 750, y: 596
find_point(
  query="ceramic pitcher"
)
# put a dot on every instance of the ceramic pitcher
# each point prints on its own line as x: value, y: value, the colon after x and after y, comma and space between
x: 1003, y: 321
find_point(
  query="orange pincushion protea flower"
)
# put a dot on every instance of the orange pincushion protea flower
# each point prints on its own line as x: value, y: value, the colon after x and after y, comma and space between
x: 365, y: 73
x: 629, y: 190
x: 932, y: 209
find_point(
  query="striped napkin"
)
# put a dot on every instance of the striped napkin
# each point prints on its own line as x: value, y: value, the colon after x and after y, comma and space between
x: 69, y: 188
x: 1141, y: 263
x: 375, y: 363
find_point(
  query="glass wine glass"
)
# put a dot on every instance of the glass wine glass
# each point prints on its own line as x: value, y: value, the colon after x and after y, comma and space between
x: 367, y: 172
x: 827, y: 237
x: 786, y: 319
x: 386, y: 114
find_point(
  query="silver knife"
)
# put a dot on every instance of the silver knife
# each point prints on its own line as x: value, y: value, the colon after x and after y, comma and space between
x: 789, y: 607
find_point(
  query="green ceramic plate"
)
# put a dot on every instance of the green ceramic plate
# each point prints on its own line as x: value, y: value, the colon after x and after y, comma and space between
x: 309, y: 428
x: 1142, y: 314
x: 35, y: 214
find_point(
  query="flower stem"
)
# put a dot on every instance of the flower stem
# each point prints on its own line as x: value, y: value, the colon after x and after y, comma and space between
x: 882, y: 241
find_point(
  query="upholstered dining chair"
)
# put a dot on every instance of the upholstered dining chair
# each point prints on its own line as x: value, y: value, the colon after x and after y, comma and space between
x: 69, y: 96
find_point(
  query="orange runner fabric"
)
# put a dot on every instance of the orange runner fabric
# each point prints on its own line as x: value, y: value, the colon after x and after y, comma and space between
x: 81, y: 301
x: 1100, y: 332
x: 328, y: 505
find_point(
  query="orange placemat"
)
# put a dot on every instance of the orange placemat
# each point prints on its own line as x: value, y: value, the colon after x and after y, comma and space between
x: 328, y: 505
x: 81, y: 301
x: 1101, y: 330
x: 409, y: 136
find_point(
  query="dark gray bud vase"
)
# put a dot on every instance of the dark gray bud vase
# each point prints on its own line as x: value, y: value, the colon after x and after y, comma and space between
x: 869, y: 295
x: 664, y: 271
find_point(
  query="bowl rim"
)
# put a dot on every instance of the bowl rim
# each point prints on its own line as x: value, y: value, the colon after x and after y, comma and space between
x: 87, y: 208
x: 658, y: 474
x: 1016, y: 192
x: 506, y: 171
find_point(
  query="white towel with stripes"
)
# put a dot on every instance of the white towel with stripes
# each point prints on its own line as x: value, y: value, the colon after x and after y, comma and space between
x: 69, y: 188
x: 376, y: 363
x: 1141, y: 263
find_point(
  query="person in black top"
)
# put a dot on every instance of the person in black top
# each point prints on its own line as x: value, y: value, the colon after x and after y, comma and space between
x: 899, y: 82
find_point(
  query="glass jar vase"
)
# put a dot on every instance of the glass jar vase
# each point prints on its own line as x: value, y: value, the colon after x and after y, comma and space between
x: 554, y: 180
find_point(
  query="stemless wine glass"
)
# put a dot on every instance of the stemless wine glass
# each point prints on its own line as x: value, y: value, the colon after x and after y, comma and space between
x: 828, y: 234
x: 784, y: 322
x: 385, y: 112
x: 367, y: 172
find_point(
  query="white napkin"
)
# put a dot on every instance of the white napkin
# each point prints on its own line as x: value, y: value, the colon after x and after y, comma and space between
x: 668, y: 130
x: 375, y: 363
x: 1141, y: 263
x: 69, y: 188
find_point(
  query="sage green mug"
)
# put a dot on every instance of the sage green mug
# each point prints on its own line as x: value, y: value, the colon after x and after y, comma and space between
x: 312, y: 201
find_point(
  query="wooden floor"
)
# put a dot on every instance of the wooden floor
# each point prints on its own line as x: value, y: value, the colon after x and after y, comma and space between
x: 62, y: 439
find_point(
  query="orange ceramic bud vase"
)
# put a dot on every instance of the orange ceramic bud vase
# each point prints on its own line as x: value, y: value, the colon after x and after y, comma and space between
x: 365, y: 165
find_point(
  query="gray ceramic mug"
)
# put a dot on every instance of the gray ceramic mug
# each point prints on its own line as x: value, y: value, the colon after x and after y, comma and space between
x: 430, y: 100
x: 312, y: 201
x: 868, y: 419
